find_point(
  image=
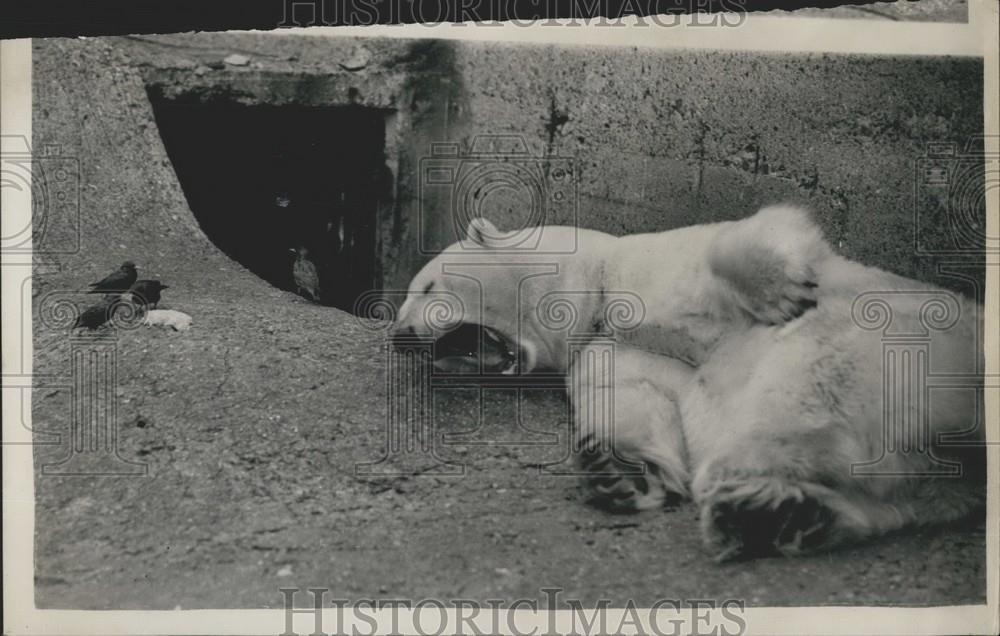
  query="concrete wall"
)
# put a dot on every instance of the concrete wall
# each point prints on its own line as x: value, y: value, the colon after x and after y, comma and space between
x: 665, y: 139
x: 658, y: 139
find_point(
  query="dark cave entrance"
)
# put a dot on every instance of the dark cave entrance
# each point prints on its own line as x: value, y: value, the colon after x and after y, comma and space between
x: 263, y: 180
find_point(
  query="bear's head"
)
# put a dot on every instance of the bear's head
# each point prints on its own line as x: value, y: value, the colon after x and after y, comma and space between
x: 479, y: 302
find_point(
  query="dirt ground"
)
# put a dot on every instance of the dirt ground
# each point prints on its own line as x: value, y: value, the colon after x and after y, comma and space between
x: 251, y: 424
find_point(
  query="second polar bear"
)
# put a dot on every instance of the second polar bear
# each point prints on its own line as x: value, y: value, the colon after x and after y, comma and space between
x: 742, y: 364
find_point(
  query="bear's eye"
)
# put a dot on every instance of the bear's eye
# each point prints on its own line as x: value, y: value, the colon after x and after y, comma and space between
x: 430, y: 286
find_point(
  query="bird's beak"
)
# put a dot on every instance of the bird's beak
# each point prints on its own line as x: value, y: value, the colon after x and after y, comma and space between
x: 292, y: 250
x: 164, y: 286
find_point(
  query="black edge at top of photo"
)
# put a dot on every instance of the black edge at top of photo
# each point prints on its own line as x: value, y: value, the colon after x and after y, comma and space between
x: 68, y: 18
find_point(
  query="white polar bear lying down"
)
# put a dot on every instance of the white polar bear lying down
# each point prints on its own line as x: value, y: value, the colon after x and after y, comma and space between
x: 751, y: 377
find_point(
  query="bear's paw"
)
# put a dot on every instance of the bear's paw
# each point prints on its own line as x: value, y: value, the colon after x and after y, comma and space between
x: 622, y: 485
x: 763, y: 516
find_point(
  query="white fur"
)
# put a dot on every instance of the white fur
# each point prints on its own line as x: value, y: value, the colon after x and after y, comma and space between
x: 747, y: 386
x: 167, y: 318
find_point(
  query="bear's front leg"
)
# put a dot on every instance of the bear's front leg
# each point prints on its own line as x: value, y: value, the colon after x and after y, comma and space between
x: 628, y: 433
x: 767, y: 264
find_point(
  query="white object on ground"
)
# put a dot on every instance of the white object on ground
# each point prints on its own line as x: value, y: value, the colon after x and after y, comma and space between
x: 177, y: 320
x: 359, y: 59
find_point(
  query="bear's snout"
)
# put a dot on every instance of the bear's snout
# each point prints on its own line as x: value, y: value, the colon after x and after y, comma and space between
x: 400, y: 331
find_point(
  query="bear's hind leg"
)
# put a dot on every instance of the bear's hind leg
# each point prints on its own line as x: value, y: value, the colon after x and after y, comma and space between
x: 628, y: 435
x: 767, y: 516
x: 796, y: 494
x: 783, y: 493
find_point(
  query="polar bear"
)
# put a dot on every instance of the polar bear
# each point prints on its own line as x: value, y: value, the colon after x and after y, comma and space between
x: 744, y: 365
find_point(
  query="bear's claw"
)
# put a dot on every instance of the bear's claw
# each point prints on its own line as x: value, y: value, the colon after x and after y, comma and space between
x: 620, y: 486
x: 739, y: 524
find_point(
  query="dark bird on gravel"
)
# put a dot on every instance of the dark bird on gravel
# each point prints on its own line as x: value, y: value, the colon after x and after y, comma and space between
x: 304, y: 274
x: 146, y: 293
x: 117, y: 282
x: 96, y: 315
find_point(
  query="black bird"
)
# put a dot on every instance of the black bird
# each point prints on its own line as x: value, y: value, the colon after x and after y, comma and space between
x: 146, y: 293
x: 117, y: 282
x: 96, y: 315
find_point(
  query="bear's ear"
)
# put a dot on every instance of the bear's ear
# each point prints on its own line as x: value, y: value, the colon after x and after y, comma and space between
x: 481, y: 231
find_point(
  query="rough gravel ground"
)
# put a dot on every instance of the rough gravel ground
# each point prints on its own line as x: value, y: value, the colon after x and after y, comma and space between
x: 251, y: 425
